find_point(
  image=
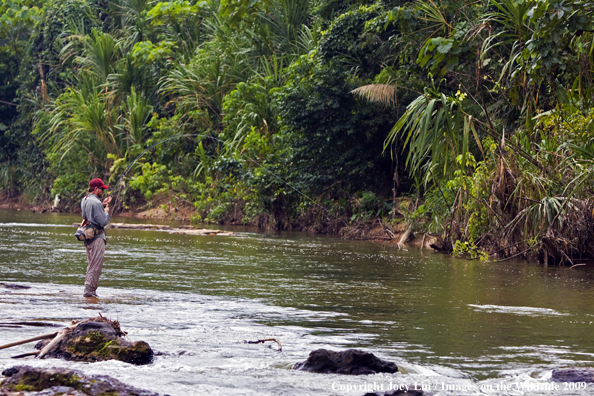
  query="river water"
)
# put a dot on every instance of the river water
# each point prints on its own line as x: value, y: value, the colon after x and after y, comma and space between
x: 456, y: 326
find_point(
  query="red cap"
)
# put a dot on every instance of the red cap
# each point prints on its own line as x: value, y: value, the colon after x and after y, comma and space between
x: 97, y: 183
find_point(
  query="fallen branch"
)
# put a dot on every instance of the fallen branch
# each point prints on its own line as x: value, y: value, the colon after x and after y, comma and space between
x: 577, y: 265
x: 567, y: 257
x: 263, y: 341
x: 390, y: 233
x: 514, y: 256
x: 405, y: 236
x: 507, y: 247
x: 35, y: 324
x: 53, y: 343
x: 25, y: 355
x: 114, y: 323
x: 41, y: 337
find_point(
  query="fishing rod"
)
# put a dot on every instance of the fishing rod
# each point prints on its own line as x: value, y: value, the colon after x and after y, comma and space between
x: 219, y: 140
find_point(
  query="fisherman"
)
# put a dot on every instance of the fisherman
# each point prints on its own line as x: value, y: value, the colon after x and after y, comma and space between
x: 96, y: 213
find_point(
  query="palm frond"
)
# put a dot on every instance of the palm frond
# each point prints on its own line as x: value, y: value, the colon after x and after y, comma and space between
x: 432, y: 13
x: 385, y: 94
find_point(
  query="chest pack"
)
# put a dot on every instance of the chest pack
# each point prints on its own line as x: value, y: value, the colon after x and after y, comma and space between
x: 87, y: 230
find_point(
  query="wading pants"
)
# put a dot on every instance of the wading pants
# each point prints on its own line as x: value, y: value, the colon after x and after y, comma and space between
x: 95, y: 252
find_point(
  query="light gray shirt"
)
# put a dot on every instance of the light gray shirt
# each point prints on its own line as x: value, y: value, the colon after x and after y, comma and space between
x: 93, y: 211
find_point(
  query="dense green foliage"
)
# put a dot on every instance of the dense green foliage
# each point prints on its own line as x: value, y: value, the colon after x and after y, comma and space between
x: 313, y: 113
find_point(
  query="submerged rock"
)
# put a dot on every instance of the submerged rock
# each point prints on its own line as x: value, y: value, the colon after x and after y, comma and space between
x: 14, y: 286
x: 351, y: 361
x: 575, y: 374
x: 96, y: 340
x: 62, y: 381
x: 412, y: 391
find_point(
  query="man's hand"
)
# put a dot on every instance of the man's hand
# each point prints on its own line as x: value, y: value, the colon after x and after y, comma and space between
x: 106, y: 209
x: 106, y: 201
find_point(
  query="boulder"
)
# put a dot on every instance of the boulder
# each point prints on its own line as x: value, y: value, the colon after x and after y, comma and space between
x: 96, y: 340
x: 351, y: 361
x: 575, y: 374
x: 62, y: 381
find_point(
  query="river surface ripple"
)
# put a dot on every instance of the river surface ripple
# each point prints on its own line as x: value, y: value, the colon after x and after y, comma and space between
x: 460, y: 327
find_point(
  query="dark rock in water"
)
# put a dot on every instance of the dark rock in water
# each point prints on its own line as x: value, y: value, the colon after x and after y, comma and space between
x: 399, y: 392
x: 62, y: 381
x: 575, y: 374
x: 14, y: 286
x: 351, y: 361
x: 92, y: 341
x: 9, y: 372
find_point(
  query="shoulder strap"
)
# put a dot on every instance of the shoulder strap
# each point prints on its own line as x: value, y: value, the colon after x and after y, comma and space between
x: 84, y: 207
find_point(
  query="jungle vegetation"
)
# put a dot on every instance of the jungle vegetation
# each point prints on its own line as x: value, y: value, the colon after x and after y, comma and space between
x: 470, y: 120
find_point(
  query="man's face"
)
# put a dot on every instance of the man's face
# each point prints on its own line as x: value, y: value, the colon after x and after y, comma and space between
x: 99, y: 192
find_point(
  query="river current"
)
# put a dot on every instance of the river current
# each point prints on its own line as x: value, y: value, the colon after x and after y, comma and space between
x: 456, y: 326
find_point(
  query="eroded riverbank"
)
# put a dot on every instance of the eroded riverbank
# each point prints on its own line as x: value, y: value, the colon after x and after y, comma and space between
x: 369, y: 230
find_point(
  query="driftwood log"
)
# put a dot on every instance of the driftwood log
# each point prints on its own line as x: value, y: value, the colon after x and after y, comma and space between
x: 55, y: 341
x: 28, y: 340
x: 405, y: 236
